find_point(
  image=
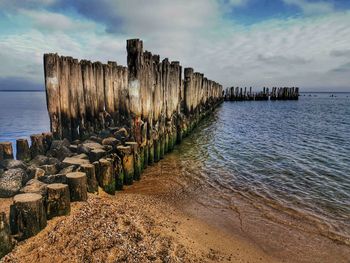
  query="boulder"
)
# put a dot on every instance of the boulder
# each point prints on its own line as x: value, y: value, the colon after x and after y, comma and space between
x: 74, y: 161
x: 53, y: 160
x: 92, y: 145
x: 60, y: 153
x: 34, y: 186
x: 68, y: 169
x: 56, y: 144
x: 111, y: 141
x: 39, y: 160
x: 121, y: 135
x: 95, y: 139
x: 82, y: 156
x: 83, y: 149
x: 11, y: 182
x: 53, y: 179
x: 12, y: 164
x: 49, y: 169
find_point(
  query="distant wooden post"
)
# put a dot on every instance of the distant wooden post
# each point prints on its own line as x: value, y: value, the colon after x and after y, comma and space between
x: 6, y: 151
x: 22, y: 150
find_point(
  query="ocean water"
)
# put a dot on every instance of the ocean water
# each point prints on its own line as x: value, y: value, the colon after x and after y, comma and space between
x: 22, y: 114
x: 292, y: 156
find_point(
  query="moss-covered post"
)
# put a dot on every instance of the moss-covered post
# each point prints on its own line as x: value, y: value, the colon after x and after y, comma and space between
x: 128, y: 163
x: 137, y: 159
x: 107, y: 176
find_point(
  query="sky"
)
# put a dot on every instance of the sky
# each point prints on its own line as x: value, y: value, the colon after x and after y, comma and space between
x: 257, y: 43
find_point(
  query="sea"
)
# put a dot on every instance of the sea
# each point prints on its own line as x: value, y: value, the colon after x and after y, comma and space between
x: 287, y: 156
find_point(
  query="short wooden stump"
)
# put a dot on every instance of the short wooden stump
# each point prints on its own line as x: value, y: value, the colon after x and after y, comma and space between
x: 27, y: 215
x: 58, y: 200
x: 77, y: 183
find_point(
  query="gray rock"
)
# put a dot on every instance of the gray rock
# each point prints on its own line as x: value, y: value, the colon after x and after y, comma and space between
x: 60, y: 153
x: 110, y: 141
x: 56, y: 144
x: 12, y: 164
x: 49, y: 169
x: 54, y: 179
x: 83, y: 149
x: 39, y: 160
x: 97, y: 154
x: 82, y: 156
x: 121, y: 135
x: 34, y: 186
x: 74, y: 161
x: 68, y: 169
x: 53, y: 160
x: 11, y: 182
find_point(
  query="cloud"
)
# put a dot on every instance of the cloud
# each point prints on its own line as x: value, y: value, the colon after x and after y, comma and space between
x: 312, y: 8
x: 340, y: 53
x: 345, y: 68
x: 301, y: 51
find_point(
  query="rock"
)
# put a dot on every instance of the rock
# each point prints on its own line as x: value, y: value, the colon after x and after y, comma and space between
x: 92, y: 145
x: 39, y: 160
x: 73, y: 148
x: 104, y: 133
x: 60, y: 153
x: 56, y: 144
x: 83, y: 149
x: 96, y: 139
x: 74, y: 161
x: 53, y: 179
x: 12, y: 164
x: 110, y: 141
x: 34, y: 186
x: 53, y: 160
x: 11, y: 182
x: 49, y: 169
x: 39, y: 173
x: 82, y: 156
x: 121, y: 135
x: 97, y: 154
x: 68, y: 169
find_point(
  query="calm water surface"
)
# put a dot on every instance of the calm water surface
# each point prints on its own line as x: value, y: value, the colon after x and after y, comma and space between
x: 290, y: 155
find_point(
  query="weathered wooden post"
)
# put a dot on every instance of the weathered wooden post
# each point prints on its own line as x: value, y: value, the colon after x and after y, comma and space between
x: 37, y: 146
x: 6, y: 243
x: 57, y: 200
x: 107, y: 176
x: 77, y: 183
x: 22, y: 150
x: 27, y: 215
x: 51, y: 71
x: 89, y: 170
x: 137, y: 159
x: 6, y: 151
x: 128, y: 163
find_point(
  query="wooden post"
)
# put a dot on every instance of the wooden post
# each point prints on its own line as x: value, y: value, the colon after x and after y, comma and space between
x: 58, y: 200
x: 27, y: 215
x: 77, y: 183
x: 6, y: 151
x: 107, y: 176
x: 128, y: 163
x: 137, y: 159
x: 6, y: 243
x: 51, y: 71
x: 23, y: 151
x: 37, y: 147
x: 89, y: 170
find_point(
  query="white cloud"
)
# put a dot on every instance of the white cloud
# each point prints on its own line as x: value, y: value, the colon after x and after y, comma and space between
x: 303, y: 52
x: 312, y: 8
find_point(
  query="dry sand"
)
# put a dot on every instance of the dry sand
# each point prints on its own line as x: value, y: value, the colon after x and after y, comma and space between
x: 131, y: 227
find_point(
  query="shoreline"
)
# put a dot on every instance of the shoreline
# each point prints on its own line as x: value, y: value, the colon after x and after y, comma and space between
x: 166, y: 209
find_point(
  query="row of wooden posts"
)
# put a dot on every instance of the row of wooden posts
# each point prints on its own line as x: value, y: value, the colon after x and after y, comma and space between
x: 85, y: 97
x: 281, y: 93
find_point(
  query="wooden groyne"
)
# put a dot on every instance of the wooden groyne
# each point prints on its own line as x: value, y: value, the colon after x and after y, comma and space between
x: 281, y: 93
x: 108, y: 122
